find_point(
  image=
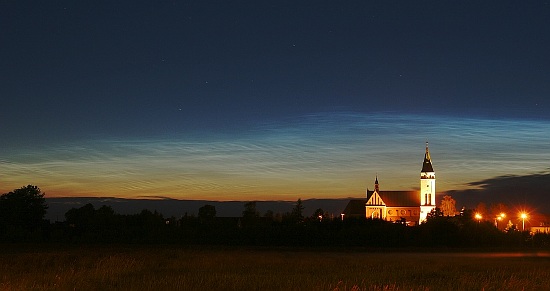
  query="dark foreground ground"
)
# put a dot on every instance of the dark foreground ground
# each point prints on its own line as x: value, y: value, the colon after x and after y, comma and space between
x: 200, y: 268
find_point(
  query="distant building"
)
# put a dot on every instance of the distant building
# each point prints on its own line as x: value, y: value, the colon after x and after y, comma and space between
x: 411, y: 207
x: 539, y: 223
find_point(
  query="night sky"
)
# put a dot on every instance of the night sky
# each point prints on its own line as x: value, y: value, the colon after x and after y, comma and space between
x: 270, y: 100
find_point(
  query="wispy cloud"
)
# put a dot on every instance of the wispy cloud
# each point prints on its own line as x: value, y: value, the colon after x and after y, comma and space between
x: 319, y: 155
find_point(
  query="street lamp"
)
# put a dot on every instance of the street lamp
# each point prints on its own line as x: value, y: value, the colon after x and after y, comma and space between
x: 499, y: 217
x: 478, y: 217
x: 523, y: 216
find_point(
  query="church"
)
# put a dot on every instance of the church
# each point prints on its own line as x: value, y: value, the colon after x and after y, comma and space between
x: 410, y: 207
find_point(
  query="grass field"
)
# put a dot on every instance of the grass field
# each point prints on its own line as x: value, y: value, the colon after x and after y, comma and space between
x: 171, y: 268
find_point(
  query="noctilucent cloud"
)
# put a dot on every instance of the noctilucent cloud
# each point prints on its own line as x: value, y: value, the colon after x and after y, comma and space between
x: 316, y: 156
x: 270, y: 100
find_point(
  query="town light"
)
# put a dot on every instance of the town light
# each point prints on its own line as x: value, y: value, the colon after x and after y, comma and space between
x: 478, y: 217
x: 499, y: 217
x: 523, y: 216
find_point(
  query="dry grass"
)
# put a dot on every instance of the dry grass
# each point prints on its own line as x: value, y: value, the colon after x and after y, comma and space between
x: 156, y: 268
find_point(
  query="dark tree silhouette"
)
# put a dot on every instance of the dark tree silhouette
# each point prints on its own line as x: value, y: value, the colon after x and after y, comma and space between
x: 90, y: 224
x: 297, y: 212
x: 435, y: 213
x: 80, y: 218
x: 318, y: 214
x: 207, y: 213
x: 250, y: 210
x: 250, y: 214
x: 23, y: 208
x: 269, y: 215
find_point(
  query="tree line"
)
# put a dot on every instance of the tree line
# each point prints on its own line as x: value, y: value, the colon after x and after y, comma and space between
x: 22, y: 213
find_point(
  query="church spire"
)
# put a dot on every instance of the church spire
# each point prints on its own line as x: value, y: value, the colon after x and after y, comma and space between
x: 427, y: 165
x: 427, y: 187
x: 376, y: 186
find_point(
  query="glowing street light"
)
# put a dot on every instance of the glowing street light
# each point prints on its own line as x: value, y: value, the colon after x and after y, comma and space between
x: 499, y: 217
x: 523, y: 216
x: 478, y: 217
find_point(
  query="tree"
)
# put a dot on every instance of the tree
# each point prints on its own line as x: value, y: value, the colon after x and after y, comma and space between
x: 510, y: 227
x: 297, y: 211
x: 269, y: 214
x: 23, y: 208
x: 91, y: 224
x: 318, y: 214
x: 250, y: 212
x: 80, y: 218
x: 448, y: 206
x: 207, y: 213
x: 434, y: 214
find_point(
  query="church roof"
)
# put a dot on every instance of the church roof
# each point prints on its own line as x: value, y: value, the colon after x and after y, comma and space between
x: 398, y: 198
x: 355, y: 208
x: 427, y: 165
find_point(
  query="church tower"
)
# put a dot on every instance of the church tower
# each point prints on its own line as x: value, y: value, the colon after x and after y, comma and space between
x: 427, y: 186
